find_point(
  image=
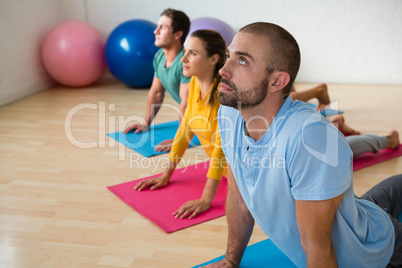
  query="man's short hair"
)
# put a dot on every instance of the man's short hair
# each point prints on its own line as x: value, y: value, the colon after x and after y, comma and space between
x: 284, y: 53
x: 180, y: 22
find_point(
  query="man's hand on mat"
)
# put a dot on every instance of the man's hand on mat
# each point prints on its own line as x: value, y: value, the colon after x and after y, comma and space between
x: 164, y: 146
x: 137, y: 128
x: 220, y: 264
x: 154, y: 183
x: 191, y: 208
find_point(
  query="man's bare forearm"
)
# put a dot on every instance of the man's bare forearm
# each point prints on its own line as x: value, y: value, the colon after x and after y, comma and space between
x: 240, y: 222
x: 154, y: 103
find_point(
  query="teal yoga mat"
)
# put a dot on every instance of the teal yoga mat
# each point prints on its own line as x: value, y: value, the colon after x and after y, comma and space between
x: 260, y: 255
x: 145, y: 142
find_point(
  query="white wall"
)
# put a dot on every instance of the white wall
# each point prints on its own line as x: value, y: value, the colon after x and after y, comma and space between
x: 344, y: 41
x: 23, y: 24
x: 73, y: 10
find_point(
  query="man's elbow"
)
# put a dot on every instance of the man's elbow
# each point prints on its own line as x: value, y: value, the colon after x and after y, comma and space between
x: 240, y: 208
x: 319, y: 251
x: 322, y: 247
x: 159, y: 93
x: 156, y: 95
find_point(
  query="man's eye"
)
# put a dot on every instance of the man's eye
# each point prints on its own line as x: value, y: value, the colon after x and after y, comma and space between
x: 243, y: 61
x: 227, y: 57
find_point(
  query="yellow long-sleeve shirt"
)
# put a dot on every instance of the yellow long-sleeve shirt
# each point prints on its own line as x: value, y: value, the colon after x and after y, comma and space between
x: 200, y: 118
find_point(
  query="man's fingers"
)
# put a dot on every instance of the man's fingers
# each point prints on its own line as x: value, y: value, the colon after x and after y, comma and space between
x: 127, y: 130
x: 135, y: 128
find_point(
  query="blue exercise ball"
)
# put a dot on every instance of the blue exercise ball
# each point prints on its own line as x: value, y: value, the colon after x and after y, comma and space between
x: 129, y: 53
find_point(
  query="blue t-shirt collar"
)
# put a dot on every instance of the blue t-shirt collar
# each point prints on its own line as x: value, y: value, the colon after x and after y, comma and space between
x: 272, y: 128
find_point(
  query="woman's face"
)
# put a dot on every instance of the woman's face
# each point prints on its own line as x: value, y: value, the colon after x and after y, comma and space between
x: 195, y: 59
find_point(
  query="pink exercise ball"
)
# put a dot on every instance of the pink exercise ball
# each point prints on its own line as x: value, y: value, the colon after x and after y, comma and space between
x: 73, y: 53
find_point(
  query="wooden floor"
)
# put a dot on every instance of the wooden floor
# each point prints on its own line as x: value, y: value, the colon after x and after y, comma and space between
x: 55, y: 164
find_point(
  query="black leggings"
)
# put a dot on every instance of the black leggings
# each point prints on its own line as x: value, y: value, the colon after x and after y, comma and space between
x: 388, y: 196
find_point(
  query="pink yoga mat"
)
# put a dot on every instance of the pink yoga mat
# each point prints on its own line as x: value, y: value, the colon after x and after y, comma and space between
x: 369, y: 159
x: 186, y: 184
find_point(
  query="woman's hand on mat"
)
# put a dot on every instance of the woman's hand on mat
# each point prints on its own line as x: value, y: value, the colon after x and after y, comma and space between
x: 137, y: 128
x: 164, y: 146
x: 191, y: 209
x: 153, y: 183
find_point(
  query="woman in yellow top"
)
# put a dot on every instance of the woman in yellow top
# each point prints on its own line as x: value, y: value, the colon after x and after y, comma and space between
x: 204, y: 55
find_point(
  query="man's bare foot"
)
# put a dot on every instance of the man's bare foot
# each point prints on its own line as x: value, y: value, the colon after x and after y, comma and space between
x: 322, y: 94
x: 393, y: 139
x: 339, y: 122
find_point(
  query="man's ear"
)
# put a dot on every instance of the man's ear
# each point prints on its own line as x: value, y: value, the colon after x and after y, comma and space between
x: 279, y: 81
x: 178, y: 35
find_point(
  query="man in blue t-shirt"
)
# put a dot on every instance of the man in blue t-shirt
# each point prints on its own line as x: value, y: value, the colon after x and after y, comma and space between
x: 170, y: 34
x: 290, y: 169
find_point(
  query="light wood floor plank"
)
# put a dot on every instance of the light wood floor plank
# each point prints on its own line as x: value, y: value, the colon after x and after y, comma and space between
x: 55, y: 209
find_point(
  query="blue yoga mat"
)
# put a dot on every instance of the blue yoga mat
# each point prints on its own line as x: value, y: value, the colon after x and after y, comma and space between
x: 327, y: 111
x: 145, y: 142
x: 262, y: 254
